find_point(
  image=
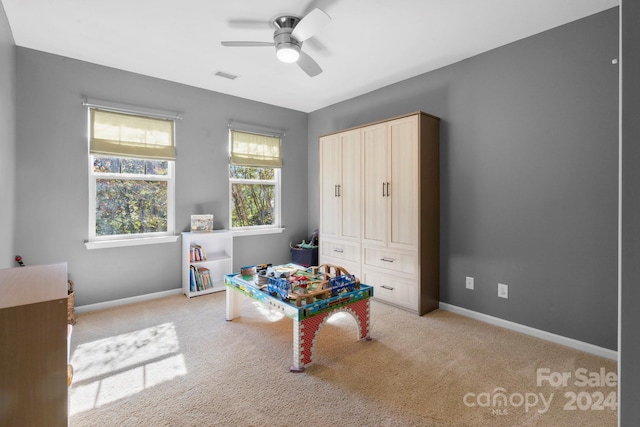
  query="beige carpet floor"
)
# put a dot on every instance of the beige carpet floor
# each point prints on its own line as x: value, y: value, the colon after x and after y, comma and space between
x: 176, y: 362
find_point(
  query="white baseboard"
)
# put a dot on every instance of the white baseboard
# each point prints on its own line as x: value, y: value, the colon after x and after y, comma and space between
x: 124, y: 301
x: 548, y: 336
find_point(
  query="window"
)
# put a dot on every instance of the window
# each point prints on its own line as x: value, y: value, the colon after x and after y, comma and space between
x: 131, y: 169
x: 254, y: 180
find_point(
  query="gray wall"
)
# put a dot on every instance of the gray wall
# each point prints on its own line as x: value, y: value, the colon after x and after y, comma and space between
x: 528, y: 175
x: 52, y: 173
x: 629, y: 351
x: 7, y: 142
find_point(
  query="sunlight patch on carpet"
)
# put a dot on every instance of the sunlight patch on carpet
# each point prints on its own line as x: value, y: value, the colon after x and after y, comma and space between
x: 113, y: 368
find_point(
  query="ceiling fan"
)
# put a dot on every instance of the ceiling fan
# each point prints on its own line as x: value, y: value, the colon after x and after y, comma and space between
x: 290, y: 32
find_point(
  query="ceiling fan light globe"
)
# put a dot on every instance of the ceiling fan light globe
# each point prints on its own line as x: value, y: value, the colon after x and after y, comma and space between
x: 288, y: 53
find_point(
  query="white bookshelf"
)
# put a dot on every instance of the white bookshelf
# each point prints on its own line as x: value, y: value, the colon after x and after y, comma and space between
x: 218, y: 247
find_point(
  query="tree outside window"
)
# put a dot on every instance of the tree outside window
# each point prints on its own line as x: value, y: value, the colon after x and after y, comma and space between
x: 253, y: 193
x: 131, y: 196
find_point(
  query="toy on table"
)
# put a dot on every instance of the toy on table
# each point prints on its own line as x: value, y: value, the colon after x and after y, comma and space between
x: 313, y: 283
x: 248, y: 270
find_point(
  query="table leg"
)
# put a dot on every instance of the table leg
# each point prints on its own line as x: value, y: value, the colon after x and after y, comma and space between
x: 298, y: 346
x: 305, y: 332
x: 234, y: 302
x: 361, y: 310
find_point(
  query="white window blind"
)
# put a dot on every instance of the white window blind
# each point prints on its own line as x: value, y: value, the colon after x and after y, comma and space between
x: 127, y: 135
x: 255, y: 150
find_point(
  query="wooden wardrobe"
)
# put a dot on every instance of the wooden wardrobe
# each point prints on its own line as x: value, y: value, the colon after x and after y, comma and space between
x: 380, y: 207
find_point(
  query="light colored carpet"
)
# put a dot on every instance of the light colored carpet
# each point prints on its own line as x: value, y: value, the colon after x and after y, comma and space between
x: 176, y: 362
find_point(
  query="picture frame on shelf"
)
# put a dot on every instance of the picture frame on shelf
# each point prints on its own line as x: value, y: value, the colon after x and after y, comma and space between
x: 201, y: 223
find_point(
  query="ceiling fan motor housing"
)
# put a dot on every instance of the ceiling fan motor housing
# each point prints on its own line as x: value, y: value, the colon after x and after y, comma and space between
x: 287, y: 48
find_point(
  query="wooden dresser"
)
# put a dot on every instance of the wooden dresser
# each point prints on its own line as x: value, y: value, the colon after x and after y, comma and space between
x: 33, y: 346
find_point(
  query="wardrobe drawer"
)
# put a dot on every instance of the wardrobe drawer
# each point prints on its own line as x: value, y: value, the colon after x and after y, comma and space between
x: 340, y: 251
x: 396, y: 291
x: 390, y: 260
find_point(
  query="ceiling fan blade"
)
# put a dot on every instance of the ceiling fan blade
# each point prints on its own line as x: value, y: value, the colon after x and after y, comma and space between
x: 246, y: 44
x: 310, y: 24
x: 308, y: 65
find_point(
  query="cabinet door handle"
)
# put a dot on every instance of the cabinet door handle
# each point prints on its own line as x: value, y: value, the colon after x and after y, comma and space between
x: 387, y: 259
x: 383, y: 195
x: 389, y: 288
x: 335, y: 191
x: 338, y: 250
x: 388, y: 183
x: 339, y: 188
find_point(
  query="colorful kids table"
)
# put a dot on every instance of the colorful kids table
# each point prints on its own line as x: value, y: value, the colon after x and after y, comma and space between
x: 308, y: 318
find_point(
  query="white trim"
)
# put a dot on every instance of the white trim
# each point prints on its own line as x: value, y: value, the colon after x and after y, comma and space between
x: 527, y: 330
x: 101, y: 244
x: 170, y: 179
x: 621, y: 365
x: 125, y: 301
x: 257, y: 231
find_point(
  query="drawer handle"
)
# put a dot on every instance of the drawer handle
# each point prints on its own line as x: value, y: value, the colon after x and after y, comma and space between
x: 389, y: 288
x: 386, y: 259
x: 338, y: 250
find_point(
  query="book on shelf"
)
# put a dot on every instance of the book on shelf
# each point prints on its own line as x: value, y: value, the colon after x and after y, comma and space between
x: 199, y: 278
x: 205, y: 277
x: 197, y: 253
x: 192, y: 279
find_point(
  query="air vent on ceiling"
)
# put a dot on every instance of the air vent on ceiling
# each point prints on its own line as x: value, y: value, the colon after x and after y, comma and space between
x: 226, y: 75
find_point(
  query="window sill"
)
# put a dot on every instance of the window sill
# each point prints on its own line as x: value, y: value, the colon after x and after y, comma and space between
x: 102, y: 244
x: 257, y: 231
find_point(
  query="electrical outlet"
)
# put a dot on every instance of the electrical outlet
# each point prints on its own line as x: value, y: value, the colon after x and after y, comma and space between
x: 503, y: 290
x: 469, y: 282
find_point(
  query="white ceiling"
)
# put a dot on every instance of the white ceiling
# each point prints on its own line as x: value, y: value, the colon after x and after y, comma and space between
x: 367, y: 45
